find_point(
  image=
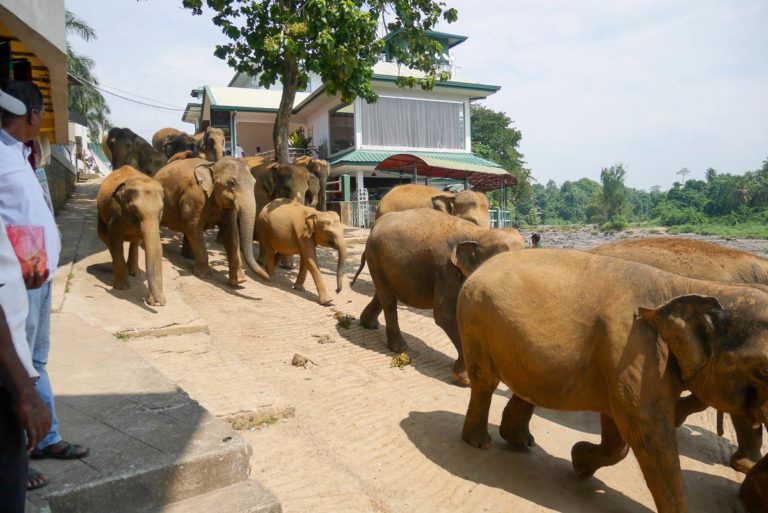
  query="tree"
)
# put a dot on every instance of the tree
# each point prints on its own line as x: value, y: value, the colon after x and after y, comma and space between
x: 85, y: 99
x: 613, y: 196
x: 494, y: 138
x: 683, y: 172
x: 285, y: 40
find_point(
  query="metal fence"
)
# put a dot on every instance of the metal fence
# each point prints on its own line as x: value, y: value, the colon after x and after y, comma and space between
x: 363, y: 213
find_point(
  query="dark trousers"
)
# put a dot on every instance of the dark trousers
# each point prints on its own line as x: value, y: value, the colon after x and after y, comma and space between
x: 14, y: 459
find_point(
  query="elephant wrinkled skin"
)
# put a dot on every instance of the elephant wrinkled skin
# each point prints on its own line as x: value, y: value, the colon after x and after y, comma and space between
x: 570, y: 330
x: 289, y: 228
x: 705, y: 261
x: 420, y: 257
x: 468, y: 205
x: 127, y: 148
x: 200, y: 195
x: 130, y: 205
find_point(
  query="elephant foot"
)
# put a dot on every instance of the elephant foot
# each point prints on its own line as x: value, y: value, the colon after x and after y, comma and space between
x: 201, y: 271
x: 461, y: 377
x: 743, y: 461
x: 518, y: 436
x: 151, y: 301
x: 583, y: 458
x: 397, y: 346
x: 324, y: 301
x: 370, y: 324
x: 237, y: 279
x: 298, y: 286
x: 479, y: 438
x: 121, y: 284
x: 133, y: 272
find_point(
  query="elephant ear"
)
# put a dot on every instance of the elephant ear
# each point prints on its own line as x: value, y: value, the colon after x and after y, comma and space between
x: 444, y: 203
x: 310, y: 225
x: 269, y: 182
x: 204, y: 177
x: 687, y: 324
x: 466, y: 256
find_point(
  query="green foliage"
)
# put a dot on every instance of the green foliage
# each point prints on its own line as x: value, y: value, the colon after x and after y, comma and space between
x: 85, y: 99
x: 285, y: 40
x: 613, y: 196
x: 615, y: 224
x: 298, y: 139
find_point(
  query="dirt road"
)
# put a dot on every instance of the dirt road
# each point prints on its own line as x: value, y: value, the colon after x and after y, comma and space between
x: 367, y: 437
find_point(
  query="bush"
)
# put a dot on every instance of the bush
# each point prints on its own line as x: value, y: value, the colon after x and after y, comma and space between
x: 673, y: 215
x: 615, y: 224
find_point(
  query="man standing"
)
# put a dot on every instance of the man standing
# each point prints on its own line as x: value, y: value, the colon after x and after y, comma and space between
x: 21, y: 409
x: 23, y: 203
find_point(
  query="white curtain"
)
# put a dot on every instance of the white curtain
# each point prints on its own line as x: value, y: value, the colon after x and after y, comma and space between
x: 413, y: 123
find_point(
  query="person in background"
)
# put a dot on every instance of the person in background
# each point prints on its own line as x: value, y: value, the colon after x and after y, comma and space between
x: 23, y: 202
x: 536, y: 240
x: 24, y: 418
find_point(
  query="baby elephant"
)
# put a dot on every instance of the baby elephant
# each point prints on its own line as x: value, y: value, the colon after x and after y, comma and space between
x: 130, y: 206
x: 573, y: 331
x: 289, y: 228
x: 421, y: 257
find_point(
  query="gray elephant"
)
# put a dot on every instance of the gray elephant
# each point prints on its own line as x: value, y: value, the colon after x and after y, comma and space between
x: 130, y: 205
x: 420, y: 257
x: 705, y: 261
x: 200, y: 195
x: 127, y: 148
x: 571, y: 330
x: 175, y: 144
x: 289, y: 228
x: 319, y: 169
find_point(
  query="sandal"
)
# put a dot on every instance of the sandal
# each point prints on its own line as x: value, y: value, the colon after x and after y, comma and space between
x: 60, y: 451
x: 35, y: 479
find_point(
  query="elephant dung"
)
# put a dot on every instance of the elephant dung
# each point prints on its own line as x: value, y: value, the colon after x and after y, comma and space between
x: 301, y: 361
x: 343, y: 320
x: 400, y: 360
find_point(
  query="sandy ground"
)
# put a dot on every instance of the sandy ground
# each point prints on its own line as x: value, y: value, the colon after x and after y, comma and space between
x: 367, y: 437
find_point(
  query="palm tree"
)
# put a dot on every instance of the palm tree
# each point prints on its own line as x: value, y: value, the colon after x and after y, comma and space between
x: 85, y: 99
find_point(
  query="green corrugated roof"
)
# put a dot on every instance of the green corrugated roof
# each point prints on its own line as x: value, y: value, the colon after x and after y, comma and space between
x: 375, y: 157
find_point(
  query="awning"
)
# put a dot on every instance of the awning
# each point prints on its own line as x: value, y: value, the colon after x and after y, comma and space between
x: 482, y: 174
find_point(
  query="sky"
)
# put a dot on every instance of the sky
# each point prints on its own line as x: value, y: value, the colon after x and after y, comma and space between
x: 656, y: 85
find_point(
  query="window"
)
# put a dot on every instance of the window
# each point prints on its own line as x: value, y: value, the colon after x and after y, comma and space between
x: 411, y: 123
x: 342, y: 127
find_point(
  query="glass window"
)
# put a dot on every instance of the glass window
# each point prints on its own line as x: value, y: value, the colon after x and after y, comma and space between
x: 342, y: 127
x: 411, y: 123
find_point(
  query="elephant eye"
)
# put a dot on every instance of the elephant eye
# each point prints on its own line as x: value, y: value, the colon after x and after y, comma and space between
x: 231, y: 182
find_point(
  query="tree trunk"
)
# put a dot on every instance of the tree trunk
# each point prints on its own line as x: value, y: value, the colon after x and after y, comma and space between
x: 290, y: 86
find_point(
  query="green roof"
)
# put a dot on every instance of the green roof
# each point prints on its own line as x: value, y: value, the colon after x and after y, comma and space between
x: 453, y: 39
x: 375, y: 157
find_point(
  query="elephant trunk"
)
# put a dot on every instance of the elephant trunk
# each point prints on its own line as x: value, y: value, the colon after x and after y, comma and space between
x: 246, y: 215
x: 321, y: 203
x: 153, y: 252
x: 340, y: 265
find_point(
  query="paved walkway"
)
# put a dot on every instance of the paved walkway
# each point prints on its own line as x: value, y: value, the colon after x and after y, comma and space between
x: 350, y: 433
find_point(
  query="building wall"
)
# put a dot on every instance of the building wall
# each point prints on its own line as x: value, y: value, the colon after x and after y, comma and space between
x: 251, y: 135
x: 61, y: 178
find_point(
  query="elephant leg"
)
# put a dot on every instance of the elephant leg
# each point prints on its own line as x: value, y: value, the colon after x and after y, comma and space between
x: 588, y: 457
x: 310, y: 254
x: 369, y: 319
x: 119, y: 268
x: 133, y: 258
x: 750, y: 442
x: 395, y: 340
x: 515, y: 422
x: 302, y: 276
x: 186, y: 248
x: 651, y: 435
x: 483, y: 384
x: 445, y: 317
x: 200, y: 252
x: 270, y: 258
x: 103, y: 230
x: 687, y: 406
x: 232, y: 250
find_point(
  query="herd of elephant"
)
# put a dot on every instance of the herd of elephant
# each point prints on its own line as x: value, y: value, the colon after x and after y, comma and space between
x: 622, y: 329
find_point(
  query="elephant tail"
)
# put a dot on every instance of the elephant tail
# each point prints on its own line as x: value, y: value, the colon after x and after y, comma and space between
x: 719, y: 423
x: 359, y: 269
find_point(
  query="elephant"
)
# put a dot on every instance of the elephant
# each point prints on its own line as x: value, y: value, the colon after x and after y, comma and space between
x: 130, y: 205
x: 312, y: 197
x: 705, y: 261
x: 569, y: 330
x: 105, y: 147
x: 754, y: 489
x: 199, y: 195
x: 421, y: 257
x: 128, y: 148
x: 211, y: 143
x: 321, y: 170
x: 289, y: 228
x: 469, y: 205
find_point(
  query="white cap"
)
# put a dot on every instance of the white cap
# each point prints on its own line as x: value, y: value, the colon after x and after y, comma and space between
x: 12, y: 104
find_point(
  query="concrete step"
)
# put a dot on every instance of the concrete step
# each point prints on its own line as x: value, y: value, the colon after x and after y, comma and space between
x: 151, y: 444
x: 246, y: 497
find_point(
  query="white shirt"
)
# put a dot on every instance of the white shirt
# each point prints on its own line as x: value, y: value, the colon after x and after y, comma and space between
x: 22, y: 200
x: 13, y: 299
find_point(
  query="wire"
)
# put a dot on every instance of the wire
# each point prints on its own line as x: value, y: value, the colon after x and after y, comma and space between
x: 137, y: 95
x: 154, y: 106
